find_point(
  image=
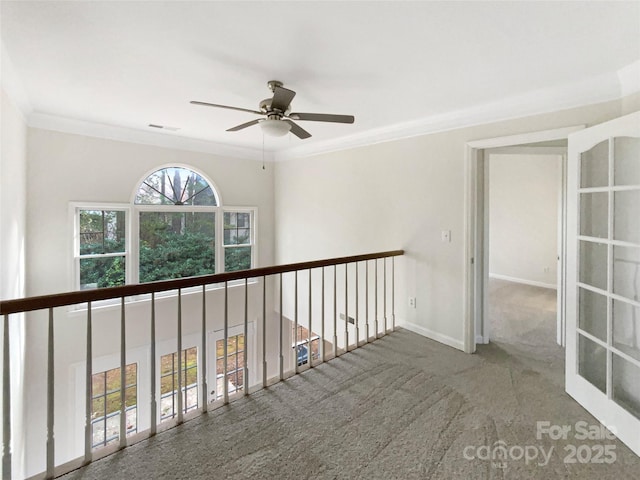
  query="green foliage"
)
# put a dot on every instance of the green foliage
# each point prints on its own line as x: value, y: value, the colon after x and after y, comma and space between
x: 237, y: 258
x: 102, y: 231
x: 102, y: 272
x: 176, y: 245
x: 177, y: 256
x: 172, y: 245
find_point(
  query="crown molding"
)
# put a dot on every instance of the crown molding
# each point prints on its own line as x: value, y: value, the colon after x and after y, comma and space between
x: 601, y: 88
x: 12, y: 84
x: 131, y: 135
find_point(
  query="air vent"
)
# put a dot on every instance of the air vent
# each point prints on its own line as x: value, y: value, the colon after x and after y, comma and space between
x: 164, y: 127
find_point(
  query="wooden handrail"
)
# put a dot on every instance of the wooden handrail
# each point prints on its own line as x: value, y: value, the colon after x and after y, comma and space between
x: 82, y: 296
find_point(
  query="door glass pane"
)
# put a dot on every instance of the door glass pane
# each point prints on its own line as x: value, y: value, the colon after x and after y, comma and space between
x: 626, y: 216
x: 627, y: 161
x: 626, y: 387
x: 594, y: 166
x: 593, y: 313
x: 626, y: 272
x: 592, y: 361
x: 626, y: 328
x: 593, y: 264
x: 593, y: 214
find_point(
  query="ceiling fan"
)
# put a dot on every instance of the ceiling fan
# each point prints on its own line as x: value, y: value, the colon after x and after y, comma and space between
x: 277, y: 110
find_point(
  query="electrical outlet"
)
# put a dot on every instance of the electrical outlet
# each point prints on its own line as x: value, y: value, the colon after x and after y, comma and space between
x: 547, y: 269
x: 350, y: 319
x: 412, y: 302
x: 446, y: 235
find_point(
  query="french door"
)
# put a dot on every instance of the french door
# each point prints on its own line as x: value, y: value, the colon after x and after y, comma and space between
x: 603, y: 274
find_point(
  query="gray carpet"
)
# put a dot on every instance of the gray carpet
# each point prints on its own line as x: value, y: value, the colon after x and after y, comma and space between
x: 404, y: 407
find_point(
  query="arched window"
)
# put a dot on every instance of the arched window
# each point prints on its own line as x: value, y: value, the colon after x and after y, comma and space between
x: 175, y: 186
x: 179, y: 228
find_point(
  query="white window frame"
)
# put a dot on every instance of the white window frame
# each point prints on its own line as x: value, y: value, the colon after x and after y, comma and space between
x: 166, y: 347
x: 76, y: 408
x: 132, y: 235
x: 253, y: 216
x: 74, y: 212
x: 249, y: 347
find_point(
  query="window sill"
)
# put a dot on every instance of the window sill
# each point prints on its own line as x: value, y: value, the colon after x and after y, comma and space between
x: 171, y: 294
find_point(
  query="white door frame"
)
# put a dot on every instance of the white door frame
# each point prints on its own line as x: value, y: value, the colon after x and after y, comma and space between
x: 474, y: 275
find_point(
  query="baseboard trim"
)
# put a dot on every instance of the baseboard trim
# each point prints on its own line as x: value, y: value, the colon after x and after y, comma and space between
x: 438, y: 337
x: 533, y: 283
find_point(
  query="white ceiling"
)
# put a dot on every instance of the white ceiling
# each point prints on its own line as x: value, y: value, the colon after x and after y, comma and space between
x: 128, y: 64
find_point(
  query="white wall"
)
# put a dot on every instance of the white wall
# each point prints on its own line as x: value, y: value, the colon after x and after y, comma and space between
x: 13, y: 205
x: 523, y: 217
x: 13, y: 214
x: 399, y: 194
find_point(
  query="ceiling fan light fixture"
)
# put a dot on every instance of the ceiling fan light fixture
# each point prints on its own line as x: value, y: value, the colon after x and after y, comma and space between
x: 275, y: 128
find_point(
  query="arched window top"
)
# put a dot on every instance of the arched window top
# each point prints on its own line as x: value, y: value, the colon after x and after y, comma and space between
x: 176, y: 186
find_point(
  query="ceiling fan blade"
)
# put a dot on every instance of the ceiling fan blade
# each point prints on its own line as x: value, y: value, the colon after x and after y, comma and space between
x: 282, y: 98
x: 323, y: 117
x: 297, y: 130
x: 244, y: 125
x: 194, y: 102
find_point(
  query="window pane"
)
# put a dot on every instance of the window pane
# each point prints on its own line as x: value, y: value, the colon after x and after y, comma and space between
x: 105, y: 414
x: 593, y: 313
x: 113, y: 429
x: 593, y: 264
x: 626, y: 388
x: 592, y: 361
x: 175, y: 186
x: 176, y: 245
x: 113, y: 380
x: 626, y: 328
x: 102, y: 231
x: 191, y: 376
x: 626, y: 272
x: 131, y: 397
x: 97, y: 384
x: 237, y: 258
x: 237, y: 228
x: 169, y: 382
x: 132, y: 420
x: 626, y: 215
x: 594, y: 166
x: 97, y: 407
x: 101, y: 272
x: 113, y: 402
x: 627, y: 161
x: 192, y: 356
x: 594, y: 214
x: 131, y: 372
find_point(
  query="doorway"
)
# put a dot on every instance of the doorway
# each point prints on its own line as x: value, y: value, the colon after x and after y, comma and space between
x: 477, y: 232
x: 523, y: 219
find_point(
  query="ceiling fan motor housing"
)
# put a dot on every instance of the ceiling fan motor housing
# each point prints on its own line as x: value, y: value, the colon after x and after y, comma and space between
x: 265, y: 106
x: 277, y: 109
